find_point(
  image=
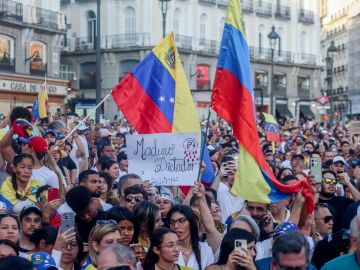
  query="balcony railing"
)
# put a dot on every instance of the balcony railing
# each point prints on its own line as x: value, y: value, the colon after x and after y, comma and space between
x: 222, y: 3
x: 206, y: 45
x: 88, y: 83
x: 126, y: 40
x: 306, y: 16
x: 38, y: 68
x: 309, y: 59
x: 263, y: 9
x: 283, y: 12
x: 265, y: 54
x: 247, y: 6
x: 7, y: 64
x: 209, y: 2
x: 280, y: 89
x: 11, y: 11
x: 183, y: 42
x: 47, y: 18
x: 85, y: 44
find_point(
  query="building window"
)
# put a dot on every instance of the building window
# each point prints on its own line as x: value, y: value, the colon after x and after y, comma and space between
x: 130, y: 22
x: 126, y: 66
x: 37, y: 55
x: 91, y: 26
x: 203, y: 21
x: 261, y: 79
x: 202, y: 77
x: 67, y: 73
x: 304, y: 83
x: 221, y: 28
x: 280, y: 81
x: 176, y: 21
x: 7, y: 62
x: 88, y: 75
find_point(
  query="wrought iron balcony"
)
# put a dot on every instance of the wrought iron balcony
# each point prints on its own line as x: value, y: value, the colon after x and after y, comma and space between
x: 257, y: 53
x: 222, y: 3
x: 283, y: 12
x: 247, y: 6
x: 85, y: 44
x: 309, y: 59
x: 11, y: 11
x: 38, y: 68
x: 306, y: 16
x: 263, y: 9
x: 183, y: 42
x: 206, y: 45
x: 126, y: 40
x: 47, y: 18
x: 7, y: 64
x: 209, y: 2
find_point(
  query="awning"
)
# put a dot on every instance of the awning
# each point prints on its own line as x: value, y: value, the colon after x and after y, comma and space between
x: 306, y: 112
x: 282, y: 110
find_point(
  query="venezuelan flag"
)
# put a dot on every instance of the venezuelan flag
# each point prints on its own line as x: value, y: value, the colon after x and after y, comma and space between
x: 271, y: 128
x: 40, y: 103
x: 232, y: 99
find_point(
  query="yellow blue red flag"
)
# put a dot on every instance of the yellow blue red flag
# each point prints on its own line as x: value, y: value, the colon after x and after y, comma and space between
x: 271, y: 128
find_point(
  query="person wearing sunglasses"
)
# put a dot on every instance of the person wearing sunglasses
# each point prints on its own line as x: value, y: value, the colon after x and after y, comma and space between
x: 337, y: 204
x: 324, y: 220
x: 134, y: 195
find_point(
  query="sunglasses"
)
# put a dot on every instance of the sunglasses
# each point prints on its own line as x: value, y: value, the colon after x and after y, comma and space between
x: 326, y: 219
x: 135, y: 198
x: 104, y: 222
x: 329, y: 181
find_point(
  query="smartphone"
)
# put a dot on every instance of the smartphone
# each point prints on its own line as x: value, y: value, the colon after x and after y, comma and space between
x: 240, y: 244
x: 67, y: 221
x: 315, y: 168
x: 70, y: 119
x: 53, y: 194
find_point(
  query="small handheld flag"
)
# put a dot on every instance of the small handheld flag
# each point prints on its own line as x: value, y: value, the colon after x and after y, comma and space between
x: 271, y: 128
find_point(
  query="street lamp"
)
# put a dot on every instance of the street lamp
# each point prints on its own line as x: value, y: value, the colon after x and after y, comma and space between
x: 273, y: 37
x: 164, y: 9
x: 332, y: 50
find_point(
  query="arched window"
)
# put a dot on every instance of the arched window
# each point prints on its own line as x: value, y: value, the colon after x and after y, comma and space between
x: 7, y: 53
x: 88, y: 75
x: 37, y: 56
x: 91, y: 26
x: 176, y: 21
x: 221, y: 27
x: 130, y: 21
x: 203, y: 22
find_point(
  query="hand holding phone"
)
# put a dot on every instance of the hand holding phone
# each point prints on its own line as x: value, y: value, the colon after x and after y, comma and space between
x: 67, y: 221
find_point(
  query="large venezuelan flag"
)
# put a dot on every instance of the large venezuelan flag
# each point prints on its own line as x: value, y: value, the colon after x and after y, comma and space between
x: 232, y: 99
x: 155, y: 96
x: 40, y: 103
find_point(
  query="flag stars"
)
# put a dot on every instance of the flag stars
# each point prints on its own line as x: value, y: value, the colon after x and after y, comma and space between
x: 161, y: 99
x: 172, y: 100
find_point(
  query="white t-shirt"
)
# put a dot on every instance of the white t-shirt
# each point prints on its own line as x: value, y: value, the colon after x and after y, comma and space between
x: 207, y: 257
x: 228, y: 203
x: 46, y: 176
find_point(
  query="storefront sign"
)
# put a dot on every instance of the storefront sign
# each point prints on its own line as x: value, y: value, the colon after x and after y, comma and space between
x: 18, y: 86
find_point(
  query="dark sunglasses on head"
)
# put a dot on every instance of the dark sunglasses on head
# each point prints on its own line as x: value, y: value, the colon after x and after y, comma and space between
x: 329, y: 181
x: 136, y: 198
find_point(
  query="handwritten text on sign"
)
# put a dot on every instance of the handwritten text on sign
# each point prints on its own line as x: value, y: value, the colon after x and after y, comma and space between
x: 166, y: 159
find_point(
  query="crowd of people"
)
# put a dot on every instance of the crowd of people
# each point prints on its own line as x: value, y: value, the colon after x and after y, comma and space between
x: 69, y: 202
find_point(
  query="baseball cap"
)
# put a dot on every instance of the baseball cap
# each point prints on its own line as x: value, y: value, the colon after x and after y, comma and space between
x: 286, y: 133
x: 338, y: 159
x: 355, y: 162
x: 82, y: 127
x: 32, y: 208
x: 47, y: 131
x: 104, y: 133
x: 297, y: 155
x: 165, y: 196
x: 39, y: 144
x: 43, y: 261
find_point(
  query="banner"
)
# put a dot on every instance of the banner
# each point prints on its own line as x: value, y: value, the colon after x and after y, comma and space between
x: 166, y: 159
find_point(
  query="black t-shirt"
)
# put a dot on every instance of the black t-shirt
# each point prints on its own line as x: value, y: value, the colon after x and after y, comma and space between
x: 349, y: 214
x: 339, y: 204
x: 68, y: 163
x: 84, y: 228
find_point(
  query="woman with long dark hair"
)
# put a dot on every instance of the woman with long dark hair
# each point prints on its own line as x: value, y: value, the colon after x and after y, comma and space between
x: 19, y: 189
x: 193, y: 253
x: 163, y: 252
x: 230, y: 258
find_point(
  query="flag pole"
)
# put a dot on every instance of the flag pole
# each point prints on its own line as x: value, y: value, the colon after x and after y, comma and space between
x: 87, y: 116
x: 274, y: 156
x: 203, y: 145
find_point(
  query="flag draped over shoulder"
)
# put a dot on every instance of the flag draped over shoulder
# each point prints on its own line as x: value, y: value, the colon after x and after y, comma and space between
x: 40, y: 103
x: 232, y: 99
x: 155, y: 96
x: 271, y: 128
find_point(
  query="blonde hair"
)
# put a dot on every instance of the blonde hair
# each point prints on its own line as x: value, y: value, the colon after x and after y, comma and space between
x: 96, y: 235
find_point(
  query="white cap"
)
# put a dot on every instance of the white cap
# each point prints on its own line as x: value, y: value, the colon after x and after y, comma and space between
x: 82, y: 126
x: 338, y: 159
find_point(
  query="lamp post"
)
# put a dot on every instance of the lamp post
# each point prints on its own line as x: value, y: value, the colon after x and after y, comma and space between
x: 330, y: 65
x: 98, y: 63
x: 164, y: 8
x: 273, y: 37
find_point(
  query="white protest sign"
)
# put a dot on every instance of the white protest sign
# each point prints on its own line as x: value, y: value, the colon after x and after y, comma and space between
x: 166, y: 159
